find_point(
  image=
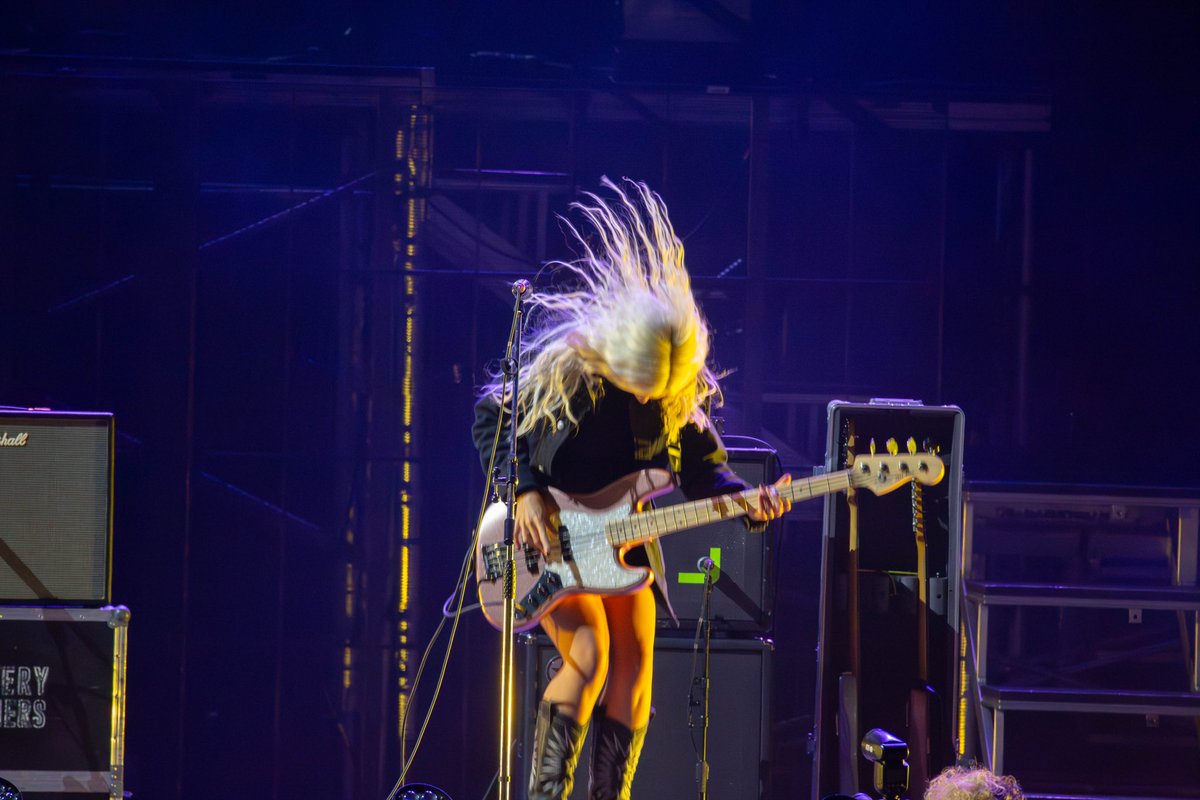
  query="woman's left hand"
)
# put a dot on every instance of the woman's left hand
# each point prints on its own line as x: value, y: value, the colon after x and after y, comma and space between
x: 770, y: 504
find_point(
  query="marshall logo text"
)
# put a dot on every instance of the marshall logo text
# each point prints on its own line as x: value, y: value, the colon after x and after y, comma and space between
x: 20, y: 440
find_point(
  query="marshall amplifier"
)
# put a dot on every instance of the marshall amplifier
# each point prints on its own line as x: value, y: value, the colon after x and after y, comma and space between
x: 56, y: 471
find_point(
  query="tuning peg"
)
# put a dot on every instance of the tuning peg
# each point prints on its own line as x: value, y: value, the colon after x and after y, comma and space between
x: 892, y: 447
x: 872, y: 445
x: 911, y: 446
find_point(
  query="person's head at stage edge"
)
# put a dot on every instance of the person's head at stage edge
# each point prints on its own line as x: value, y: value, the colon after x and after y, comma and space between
x: 625, y: 316
x: 973, y: 783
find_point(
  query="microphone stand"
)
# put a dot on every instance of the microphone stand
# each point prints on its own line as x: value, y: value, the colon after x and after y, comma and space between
x: 511, y: 366
x: 707, y: 567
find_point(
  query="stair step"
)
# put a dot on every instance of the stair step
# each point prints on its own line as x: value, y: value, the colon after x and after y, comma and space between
x: 1086, y: 596
x: 1096, y: 700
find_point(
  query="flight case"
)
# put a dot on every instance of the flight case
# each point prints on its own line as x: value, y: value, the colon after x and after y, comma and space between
x: 873, y: 671
x: 62, y: 701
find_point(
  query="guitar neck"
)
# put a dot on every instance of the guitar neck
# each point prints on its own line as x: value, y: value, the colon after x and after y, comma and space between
x: 661, y: 522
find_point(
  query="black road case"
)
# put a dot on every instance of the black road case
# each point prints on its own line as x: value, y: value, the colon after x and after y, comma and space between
x: 62, y: 701
x: 873, y: 671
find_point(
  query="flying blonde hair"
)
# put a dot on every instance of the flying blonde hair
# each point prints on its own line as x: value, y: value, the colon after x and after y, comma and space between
x: 973, y: 783
x: 628, y: 316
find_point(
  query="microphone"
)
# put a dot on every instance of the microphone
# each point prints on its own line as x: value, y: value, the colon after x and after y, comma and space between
x: 521, y: 287
x: 706, y: 565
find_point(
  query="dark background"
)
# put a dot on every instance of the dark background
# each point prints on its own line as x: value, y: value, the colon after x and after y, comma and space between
x: 199, y: 222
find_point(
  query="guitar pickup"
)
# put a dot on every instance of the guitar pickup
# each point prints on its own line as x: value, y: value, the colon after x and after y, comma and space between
x: 546, y: 587
x: 493, y: 561
x: 564, y: 541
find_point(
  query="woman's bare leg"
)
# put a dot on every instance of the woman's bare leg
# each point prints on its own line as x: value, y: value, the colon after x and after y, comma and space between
x: 631, y: 620
x: 580, y: 632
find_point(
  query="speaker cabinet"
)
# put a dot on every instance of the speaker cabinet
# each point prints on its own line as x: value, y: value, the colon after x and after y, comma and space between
x: 744, y: 591
x: 56, y: 472
x: 739, y: 702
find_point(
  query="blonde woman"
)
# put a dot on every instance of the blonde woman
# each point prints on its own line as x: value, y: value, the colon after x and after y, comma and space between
x: 615, y: 380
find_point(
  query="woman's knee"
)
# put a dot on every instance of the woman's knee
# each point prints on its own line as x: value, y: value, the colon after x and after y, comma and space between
x: 590, y: 654
x: 579, y: 628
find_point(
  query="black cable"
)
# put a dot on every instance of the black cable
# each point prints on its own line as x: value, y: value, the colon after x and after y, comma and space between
x: 728, y: 437
x: 460, y: 594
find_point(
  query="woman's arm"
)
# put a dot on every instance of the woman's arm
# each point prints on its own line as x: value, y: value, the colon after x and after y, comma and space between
x: 483, y: 431
x: 704, y: 464
x: 534, y: 514
x: 704, y: 472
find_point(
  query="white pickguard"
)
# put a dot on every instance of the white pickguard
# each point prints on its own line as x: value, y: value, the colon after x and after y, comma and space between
x: 595, y: 566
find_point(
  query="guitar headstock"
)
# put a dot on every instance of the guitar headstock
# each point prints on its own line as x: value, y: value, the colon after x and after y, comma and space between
x: 881, y: 474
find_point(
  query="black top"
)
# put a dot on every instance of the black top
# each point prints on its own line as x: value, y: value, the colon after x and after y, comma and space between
x: 615, y: 437
x: 620, y: 436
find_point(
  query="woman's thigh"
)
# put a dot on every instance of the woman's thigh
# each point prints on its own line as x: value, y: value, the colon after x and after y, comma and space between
x: 631, y: 623
x: 579, y: 628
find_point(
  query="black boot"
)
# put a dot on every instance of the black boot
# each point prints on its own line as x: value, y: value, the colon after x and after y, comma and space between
x: 615, y: 751
x: 557, y: 741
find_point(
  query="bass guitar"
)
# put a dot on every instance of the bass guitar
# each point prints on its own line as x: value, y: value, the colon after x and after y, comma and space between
x: 595, y: 530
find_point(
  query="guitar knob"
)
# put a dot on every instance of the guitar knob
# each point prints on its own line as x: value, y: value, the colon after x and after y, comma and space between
x: 892, y: 447
x: 911, y: 446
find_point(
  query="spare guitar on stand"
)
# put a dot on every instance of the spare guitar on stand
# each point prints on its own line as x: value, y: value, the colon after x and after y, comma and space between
x: 923, y: 698
x: 888, y: 609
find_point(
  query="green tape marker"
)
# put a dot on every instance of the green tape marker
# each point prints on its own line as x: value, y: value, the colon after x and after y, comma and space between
x: 698, y: 577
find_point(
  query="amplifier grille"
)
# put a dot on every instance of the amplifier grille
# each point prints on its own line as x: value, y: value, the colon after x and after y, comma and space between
x: 55, y: 507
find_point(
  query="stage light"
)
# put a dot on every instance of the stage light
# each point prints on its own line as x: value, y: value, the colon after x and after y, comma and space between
x: 414, y: 791
x: 8, y: 791
x: 890, y: 757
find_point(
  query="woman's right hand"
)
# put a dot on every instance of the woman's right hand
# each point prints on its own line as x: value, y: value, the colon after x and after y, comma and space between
x: 534, y: 522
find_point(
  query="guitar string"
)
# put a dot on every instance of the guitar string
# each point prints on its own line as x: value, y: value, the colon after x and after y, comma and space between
x: 650, y: 523
x: 699, y: 512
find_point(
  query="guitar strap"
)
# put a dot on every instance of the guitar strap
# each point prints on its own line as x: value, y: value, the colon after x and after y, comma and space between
x: 654, y: 551
x: 675, y: 453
